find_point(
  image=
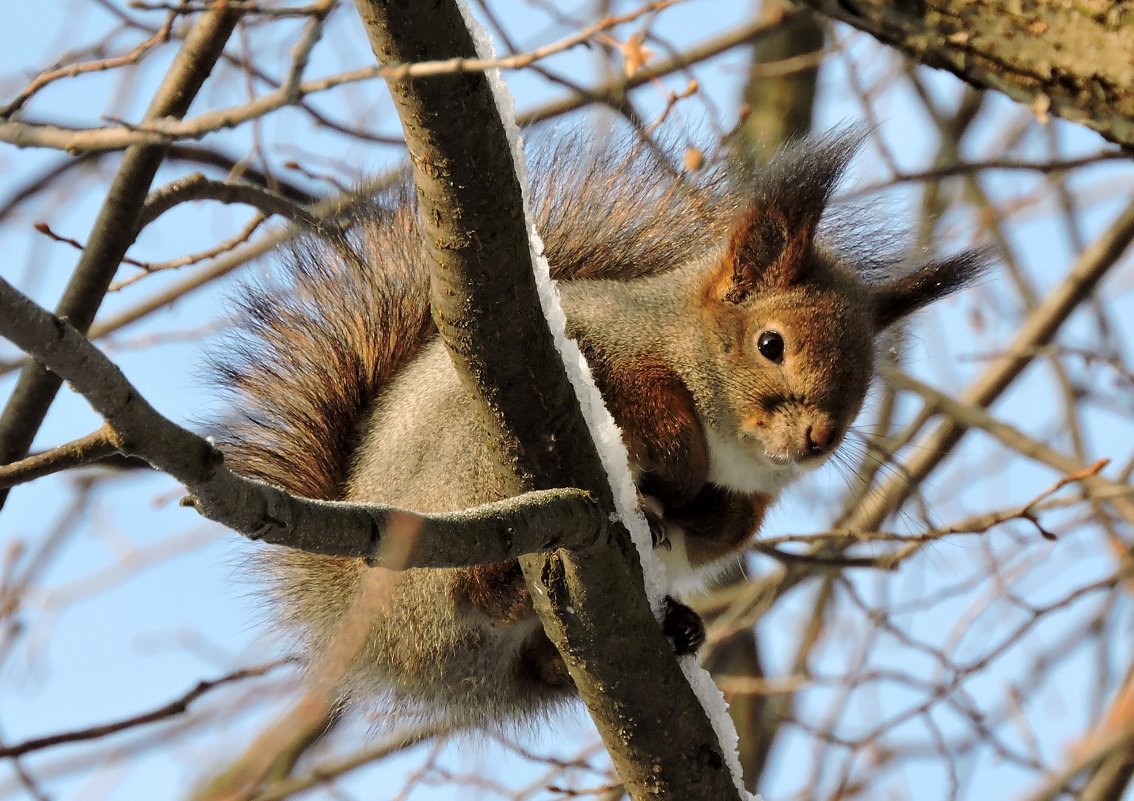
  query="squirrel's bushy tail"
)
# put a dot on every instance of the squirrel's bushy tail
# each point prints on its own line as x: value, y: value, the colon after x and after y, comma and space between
x: 312, y: 352
x: 627, y: 211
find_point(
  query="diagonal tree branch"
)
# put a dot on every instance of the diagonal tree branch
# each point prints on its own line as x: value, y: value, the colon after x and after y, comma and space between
x: 1119, y: 495
x: 165, y: 132
x: 487, y: 308
x: 1038, y: 328
x: 1032, y: 52
x: 395, y: 538
x: 116, y: 226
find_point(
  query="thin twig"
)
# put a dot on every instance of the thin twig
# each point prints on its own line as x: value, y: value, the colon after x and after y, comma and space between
x: 177, y: 706
x: 79, y: 452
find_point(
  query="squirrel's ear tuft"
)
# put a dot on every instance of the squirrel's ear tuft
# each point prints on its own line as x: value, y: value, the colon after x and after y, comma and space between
x: 771, y: 242
x: 929, y: 282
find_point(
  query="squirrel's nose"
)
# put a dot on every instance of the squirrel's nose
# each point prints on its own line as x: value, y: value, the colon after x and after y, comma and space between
x: 820, y: 437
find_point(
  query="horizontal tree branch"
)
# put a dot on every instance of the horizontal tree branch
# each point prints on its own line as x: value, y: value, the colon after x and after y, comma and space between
x: 395, y: 538
x: 167, y: 131
x: 193, y: 154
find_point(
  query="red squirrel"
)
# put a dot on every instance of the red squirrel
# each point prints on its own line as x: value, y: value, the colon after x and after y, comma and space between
x: 732, y: 340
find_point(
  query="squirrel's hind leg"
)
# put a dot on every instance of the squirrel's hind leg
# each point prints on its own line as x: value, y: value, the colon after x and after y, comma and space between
x: 499, y: 593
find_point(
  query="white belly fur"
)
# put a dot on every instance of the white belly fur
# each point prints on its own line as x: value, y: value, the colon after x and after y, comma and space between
x: 684, y: 579
x: 744, y: 470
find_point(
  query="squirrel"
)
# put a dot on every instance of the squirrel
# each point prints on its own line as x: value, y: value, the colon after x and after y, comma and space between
x: 730, y: 328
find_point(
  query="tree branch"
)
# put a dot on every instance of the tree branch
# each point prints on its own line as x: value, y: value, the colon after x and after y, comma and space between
x: 1119, y: 495
x: 614, y: 92
x: 197, y: 187
x: 1037, y: 329
x: 487, y: 308
x: 85, y: 450
x: 175, y: 707
x: 115, y: 228
x: 1057, y: 57
x: 395, y: 538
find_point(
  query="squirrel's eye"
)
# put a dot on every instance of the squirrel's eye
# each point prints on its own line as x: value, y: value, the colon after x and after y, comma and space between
x: 771, y: 346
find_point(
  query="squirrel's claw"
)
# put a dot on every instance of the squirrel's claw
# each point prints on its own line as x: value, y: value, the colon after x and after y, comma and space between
x: 658, y: 533
x: 652, y: 510
x: 683, y: 626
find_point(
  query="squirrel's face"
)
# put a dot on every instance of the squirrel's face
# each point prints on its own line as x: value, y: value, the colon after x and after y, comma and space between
x: 796, y: 369
x: 795, y: 324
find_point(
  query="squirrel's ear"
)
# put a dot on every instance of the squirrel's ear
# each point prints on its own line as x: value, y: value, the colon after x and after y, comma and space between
x: 770, y: 244
x: 927, y: 283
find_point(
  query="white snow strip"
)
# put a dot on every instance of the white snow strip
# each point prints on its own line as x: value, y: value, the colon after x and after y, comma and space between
x: 604, y: 431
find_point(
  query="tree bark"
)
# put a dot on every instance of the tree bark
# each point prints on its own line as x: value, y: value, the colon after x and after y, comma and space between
x: 116, y: 227
x: 1071, y: 58
x: 487, y: 308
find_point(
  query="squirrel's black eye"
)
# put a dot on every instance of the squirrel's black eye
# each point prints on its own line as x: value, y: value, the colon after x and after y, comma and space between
x: 771, y: 346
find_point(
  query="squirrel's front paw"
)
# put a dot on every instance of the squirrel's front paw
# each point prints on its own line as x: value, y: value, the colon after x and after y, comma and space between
x: 652, y: 510
x: 683, y: 626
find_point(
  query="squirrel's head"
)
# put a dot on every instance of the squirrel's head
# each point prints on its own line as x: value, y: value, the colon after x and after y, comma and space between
x: 797, y: 324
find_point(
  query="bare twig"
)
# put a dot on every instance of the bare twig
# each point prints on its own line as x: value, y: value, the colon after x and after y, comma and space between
x: 85, y: 450
x: 166, y: 132
x: 49, y: 76
x: 291, y: 92
x: 177, y: 706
